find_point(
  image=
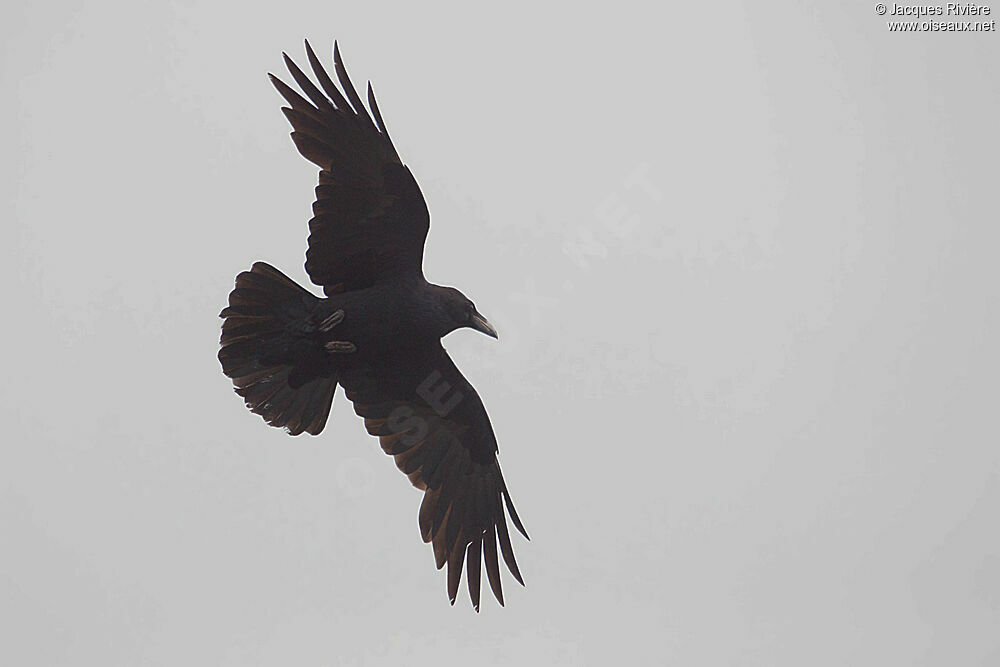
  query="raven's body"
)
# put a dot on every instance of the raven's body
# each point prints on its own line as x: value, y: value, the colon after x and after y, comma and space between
x: 384, y: 318
x: 377, y: 333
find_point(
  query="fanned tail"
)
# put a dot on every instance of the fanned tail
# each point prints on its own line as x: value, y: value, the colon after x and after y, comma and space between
x: 280, y: 372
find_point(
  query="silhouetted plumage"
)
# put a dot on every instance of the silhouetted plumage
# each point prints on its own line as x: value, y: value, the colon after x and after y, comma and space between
x: 377, y: 333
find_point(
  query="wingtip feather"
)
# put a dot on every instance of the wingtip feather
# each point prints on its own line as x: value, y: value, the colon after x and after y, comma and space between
x: 513, y: 513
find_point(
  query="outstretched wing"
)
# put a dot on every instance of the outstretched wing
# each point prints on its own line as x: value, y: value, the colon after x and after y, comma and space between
x: 430, y: 419
x: 369, y: 219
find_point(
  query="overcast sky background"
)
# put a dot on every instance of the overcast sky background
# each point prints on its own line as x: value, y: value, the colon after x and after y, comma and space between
x: 742, y: 261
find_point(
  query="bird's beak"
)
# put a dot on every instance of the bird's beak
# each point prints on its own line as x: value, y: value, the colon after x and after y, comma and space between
x: 480, y: 323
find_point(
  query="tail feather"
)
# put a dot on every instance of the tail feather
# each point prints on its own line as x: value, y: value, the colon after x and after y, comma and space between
x: 279, y: 372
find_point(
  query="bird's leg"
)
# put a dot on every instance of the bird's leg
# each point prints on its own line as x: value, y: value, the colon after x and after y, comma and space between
x: 341, y: 347
x: 336, y: 346
x: 332, y: 320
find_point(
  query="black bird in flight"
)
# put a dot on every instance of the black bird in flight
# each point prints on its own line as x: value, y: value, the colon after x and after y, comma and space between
x: 377, y: 333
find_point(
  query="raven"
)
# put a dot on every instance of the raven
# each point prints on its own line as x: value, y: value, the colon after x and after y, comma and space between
x: 377, y: 333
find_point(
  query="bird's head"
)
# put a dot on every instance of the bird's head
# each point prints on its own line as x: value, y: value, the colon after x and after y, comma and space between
x: 459, y: 311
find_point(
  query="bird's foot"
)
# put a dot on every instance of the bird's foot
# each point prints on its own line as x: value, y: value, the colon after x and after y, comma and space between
x: 332, y: 320
x: 336, y: 346
x: 341, y: 347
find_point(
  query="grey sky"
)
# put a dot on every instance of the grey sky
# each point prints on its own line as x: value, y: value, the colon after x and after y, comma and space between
x: 742, y: 262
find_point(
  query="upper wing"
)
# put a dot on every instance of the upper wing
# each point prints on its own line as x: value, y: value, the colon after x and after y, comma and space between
x: 369, y: 219
x: 430, y: 419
